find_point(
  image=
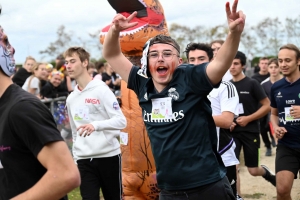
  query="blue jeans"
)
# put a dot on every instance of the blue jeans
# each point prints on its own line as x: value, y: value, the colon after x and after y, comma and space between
x: 220, y: 190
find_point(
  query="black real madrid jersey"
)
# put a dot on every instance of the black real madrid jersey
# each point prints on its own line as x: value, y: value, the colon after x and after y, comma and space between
x: 180, y: 127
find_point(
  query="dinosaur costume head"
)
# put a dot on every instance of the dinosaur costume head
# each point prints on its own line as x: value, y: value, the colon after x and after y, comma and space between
x: 151, y: 22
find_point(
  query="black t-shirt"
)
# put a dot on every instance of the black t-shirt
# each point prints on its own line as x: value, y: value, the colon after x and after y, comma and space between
x: 283, y: 95
x: 260, y: 78
x: 267, y: 88
x: 184, y: 146
x: 20, y: 77
x: 113, y: 77
x: 26, y: 126
x: 49, y: 91
x: 250, y: 94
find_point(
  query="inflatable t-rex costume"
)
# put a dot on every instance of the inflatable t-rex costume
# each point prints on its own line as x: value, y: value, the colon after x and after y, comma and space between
x: 138, y: 167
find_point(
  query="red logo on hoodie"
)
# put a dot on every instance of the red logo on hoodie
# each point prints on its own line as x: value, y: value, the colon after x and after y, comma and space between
x: 92, y: 101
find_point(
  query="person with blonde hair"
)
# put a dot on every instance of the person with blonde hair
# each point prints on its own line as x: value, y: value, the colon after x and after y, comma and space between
x: 23, y: 73
x: 49, y: 69
x: 52, y: 88
x: 33, y: 82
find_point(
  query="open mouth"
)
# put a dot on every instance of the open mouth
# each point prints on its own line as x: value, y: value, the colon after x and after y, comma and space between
x: 162, y: 70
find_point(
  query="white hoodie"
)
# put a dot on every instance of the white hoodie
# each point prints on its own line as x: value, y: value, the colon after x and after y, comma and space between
x: 97, y: 105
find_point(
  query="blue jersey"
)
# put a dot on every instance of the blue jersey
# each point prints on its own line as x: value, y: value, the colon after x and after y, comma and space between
x: 283, y: 95
x: 184, y: 145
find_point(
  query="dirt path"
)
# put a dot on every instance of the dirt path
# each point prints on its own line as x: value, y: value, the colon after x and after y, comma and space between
x: 253, y: 188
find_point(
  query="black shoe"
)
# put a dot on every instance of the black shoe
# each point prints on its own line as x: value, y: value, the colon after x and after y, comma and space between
x: 269, y: 175
x: 269, y: 152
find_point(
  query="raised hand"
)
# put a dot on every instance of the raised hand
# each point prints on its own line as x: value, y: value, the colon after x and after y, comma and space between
x: 121, y: 23
x: 236, y: 20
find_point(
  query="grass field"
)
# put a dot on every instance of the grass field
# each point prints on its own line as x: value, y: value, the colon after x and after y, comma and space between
x: 75, y: 195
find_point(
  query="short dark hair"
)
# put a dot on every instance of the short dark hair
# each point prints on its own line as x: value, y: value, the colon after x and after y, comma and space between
x: 263, y: 58
x: 242, y: 57
x: 60, y: 57
x: 99, y: 65
x: 273, y: 60
x: 199, y: 46
x: 164, y: 39
x: 59, y: 64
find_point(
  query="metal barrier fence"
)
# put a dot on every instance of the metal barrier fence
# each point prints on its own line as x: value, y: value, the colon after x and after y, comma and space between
x: 57, y: 107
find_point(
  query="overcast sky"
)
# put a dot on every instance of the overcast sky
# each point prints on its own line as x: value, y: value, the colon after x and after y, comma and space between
x: 32, y: 24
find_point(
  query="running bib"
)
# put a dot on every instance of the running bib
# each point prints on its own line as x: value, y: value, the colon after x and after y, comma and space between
x: 241, y: 108
x: 81, y: 113
x: 288, y: 116
x: 162, y: 108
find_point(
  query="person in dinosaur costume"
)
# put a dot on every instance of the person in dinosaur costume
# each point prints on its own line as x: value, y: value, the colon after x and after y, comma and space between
x: 138, y: 167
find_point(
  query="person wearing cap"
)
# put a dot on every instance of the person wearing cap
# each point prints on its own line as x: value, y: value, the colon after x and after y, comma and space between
x: 176, y: 110
x: 35, y: 162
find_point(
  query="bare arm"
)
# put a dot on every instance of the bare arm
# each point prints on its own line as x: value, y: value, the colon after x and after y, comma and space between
x: 61, y: 177
x: 224, y: 120
x: 111, y: 47
x: 274, y: 117
x: 262, y: 111
x: 32, y: 90
x: 278, y: 131
x: 221, y: 63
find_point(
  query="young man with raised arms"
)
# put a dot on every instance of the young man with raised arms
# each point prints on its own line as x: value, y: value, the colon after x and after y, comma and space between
x: 176, y: 110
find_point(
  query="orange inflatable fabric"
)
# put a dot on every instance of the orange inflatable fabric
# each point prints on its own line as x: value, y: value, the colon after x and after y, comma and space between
x: 138, y: 166
x: 149, y: 25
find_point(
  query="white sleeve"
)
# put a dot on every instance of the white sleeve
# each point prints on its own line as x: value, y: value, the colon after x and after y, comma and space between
x: 229, y: 98
x: 34, y: 83
x: 116, y: 120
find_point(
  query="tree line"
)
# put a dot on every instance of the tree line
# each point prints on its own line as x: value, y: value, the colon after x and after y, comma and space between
x: 262, y: 39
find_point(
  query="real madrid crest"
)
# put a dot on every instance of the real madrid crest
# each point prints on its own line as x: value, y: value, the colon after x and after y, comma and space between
x: 173, y: 94
x: 146, y: 96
